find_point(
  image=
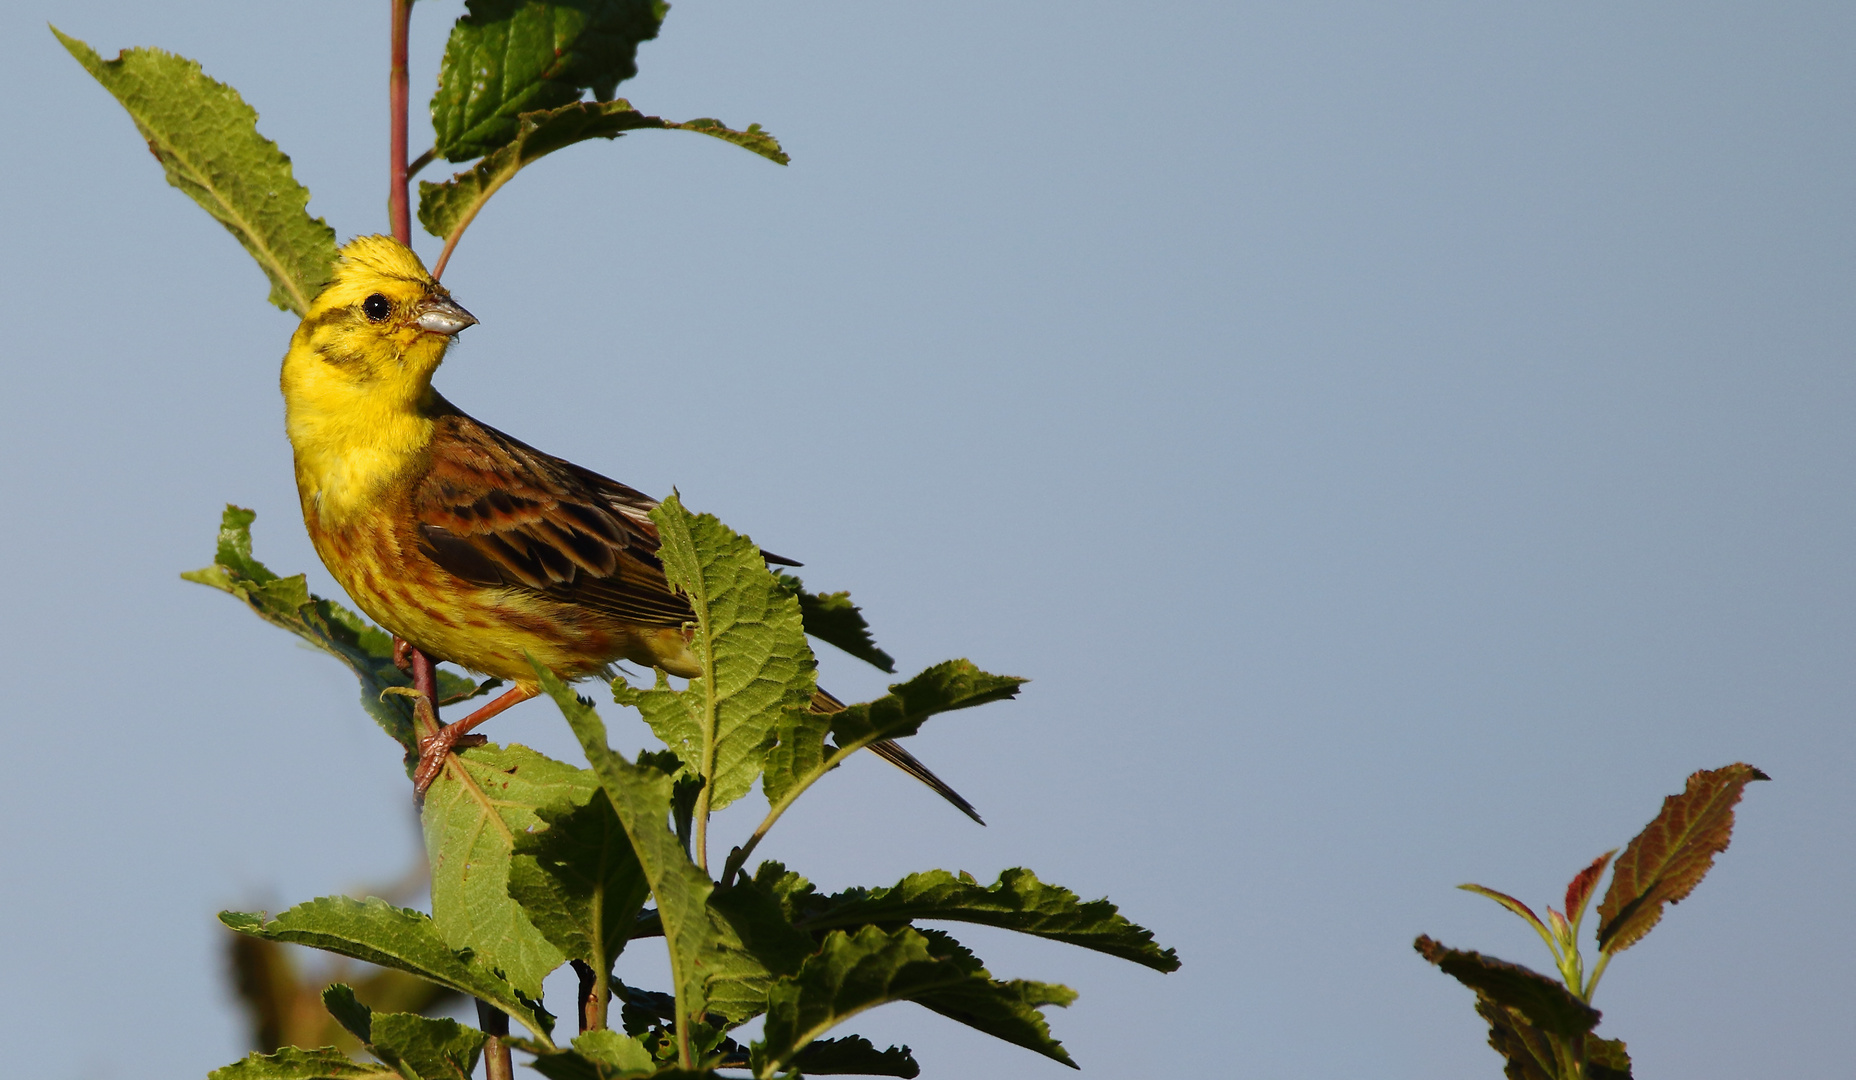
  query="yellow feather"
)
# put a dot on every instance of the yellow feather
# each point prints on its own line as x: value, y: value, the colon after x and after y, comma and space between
x: 357, y: 395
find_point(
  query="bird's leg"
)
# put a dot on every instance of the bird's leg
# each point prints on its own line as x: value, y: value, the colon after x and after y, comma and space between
x: 435, y: 748
x: 425, y: 683
x: 424, y: 692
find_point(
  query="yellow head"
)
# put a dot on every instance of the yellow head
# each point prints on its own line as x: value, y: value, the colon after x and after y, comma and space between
x: 381, y: 325
x: 357, y: 380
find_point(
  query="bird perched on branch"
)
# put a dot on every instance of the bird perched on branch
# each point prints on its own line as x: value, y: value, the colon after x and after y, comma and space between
x: 470, y: 545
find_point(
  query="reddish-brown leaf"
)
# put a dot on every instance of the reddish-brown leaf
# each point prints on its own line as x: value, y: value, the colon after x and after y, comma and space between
x: 1508, y: 902
x: 1540, y: 1001
x: 1606, y: 1059
x: 1526, y: 1053
x: 1671, y: 855
x: 1579, y: 890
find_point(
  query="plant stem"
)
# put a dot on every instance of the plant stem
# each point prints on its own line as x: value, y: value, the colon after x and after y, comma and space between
x: 1598, y: 972
x: 1563, y: 1058
x: 702, y: 828
x: 710, y: 720
x: 399, y: 215
x: 495, y: 1023
x: 739, y: 857
x: 594, y: 991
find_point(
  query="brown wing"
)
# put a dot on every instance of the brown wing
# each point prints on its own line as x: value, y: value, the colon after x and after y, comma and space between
x: 495, y: 511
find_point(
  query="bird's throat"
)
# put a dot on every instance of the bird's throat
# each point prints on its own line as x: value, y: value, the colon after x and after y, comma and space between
x: 347, y: 452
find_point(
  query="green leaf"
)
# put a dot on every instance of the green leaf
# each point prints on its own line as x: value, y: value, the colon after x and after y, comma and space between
x: 796, y: 754
x: 379, y: 933
x: 670, y: 717
x: 682, y: 797
x: 614, y: 1050
x: 287, y: 602
x: 443, y: 207
x: 1017, y: 901
x: 945, y: 687
x: 427, y: 1049
x: 755, y: 913
x: 755, y: 943
x: 834, y: 620
x: 754, y: 138
x: 447, y: 208
x: 472, y: 819
x: 603, y: 1054
x: 507, y: 57
x: 854, y: 972
x: 357, y: 1018
x: 1665, y: 861
x: 750, y: 643
x: 642, y: 1009
x: 641, y: 797
x: 854, y: 1055
x: 207, y: 141
x: 648, y: 1017
x: 579, y: 882
x: 291, y: 1063
x: 1543, y: 1002
x: 724, y: 955
x: 1007, y: 1010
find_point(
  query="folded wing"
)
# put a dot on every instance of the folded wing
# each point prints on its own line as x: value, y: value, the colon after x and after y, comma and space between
x: 495, y: 511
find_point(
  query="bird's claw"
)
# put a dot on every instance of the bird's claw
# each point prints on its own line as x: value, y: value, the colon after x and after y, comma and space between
x: 434, y: 749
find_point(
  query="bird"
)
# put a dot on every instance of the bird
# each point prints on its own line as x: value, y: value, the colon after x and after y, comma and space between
x: 467, y: 543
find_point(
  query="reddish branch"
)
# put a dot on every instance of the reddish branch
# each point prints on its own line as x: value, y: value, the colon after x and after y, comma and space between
x: 398, y: 212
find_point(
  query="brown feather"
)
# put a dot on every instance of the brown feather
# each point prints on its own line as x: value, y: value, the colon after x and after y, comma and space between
x: 496, y: 511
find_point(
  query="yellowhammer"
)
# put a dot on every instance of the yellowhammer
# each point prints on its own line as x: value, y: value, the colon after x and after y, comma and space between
x: 471, y: 546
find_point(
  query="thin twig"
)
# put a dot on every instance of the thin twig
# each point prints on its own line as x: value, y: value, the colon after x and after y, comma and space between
x: 495, y: 1023
x: 399, y: 215
x: 592, y: 1012
x: 585, y: 972
x: 1598, y: 972
x: 420, y: 162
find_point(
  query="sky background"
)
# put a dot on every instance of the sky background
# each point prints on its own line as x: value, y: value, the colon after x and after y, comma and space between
x: 1400, y: 442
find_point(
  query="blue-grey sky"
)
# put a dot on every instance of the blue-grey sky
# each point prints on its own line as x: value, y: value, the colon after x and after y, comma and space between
x: 1400, y: 441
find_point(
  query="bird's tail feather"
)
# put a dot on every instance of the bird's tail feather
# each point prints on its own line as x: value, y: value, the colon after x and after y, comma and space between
x: 902, y: 759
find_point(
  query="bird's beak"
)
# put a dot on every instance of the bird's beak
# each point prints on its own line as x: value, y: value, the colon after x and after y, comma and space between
x: 444, y: 316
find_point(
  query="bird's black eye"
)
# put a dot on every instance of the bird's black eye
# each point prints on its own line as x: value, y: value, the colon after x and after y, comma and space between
x: 376, y: 307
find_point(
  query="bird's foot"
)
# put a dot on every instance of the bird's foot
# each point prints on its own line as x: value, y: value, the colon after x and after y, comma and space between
x: 435, y: 749
x: 437, y: 742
